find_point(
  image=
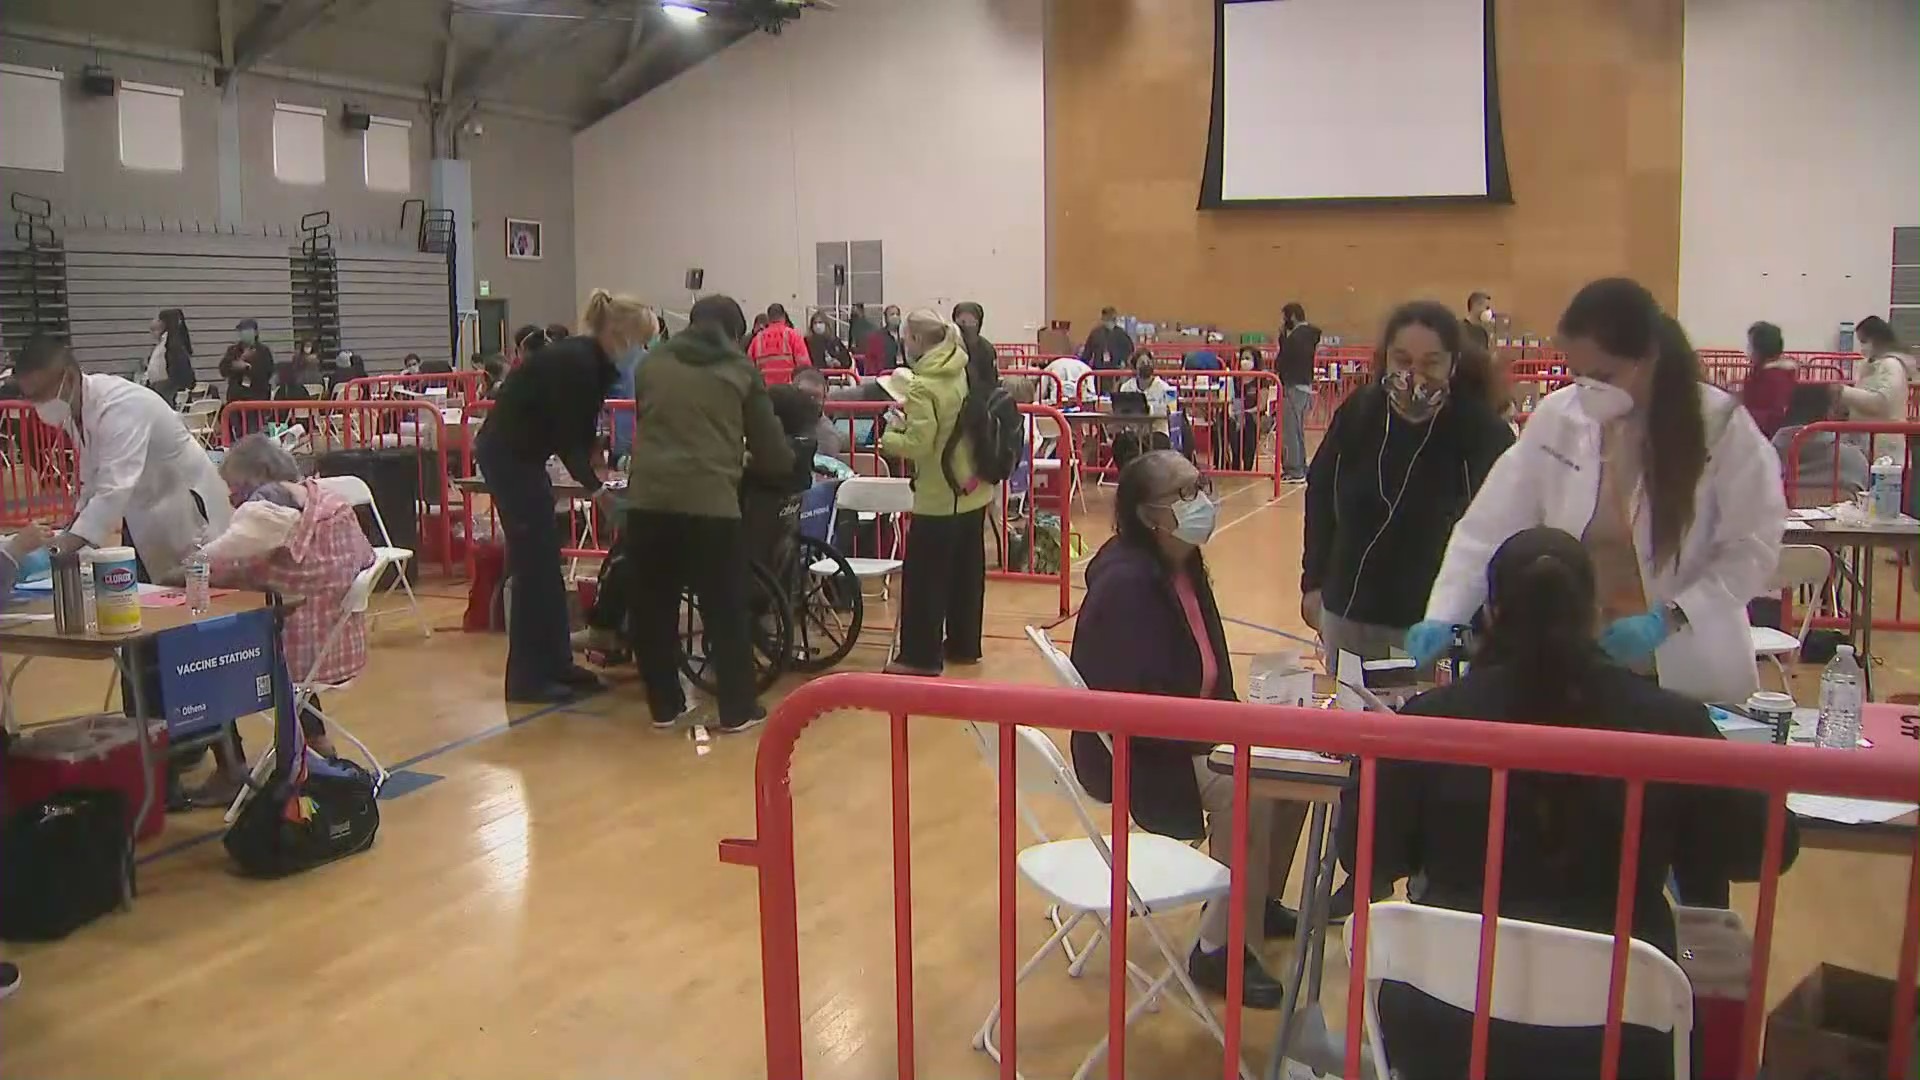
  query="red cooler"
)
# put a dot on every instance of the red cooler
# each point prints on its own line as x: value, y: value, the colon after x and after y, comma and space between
x: 95, y: 752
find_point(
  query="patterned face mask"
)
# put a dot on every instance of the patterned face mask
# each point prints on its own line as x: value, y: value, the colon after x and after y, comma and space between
x: 1414, y: 398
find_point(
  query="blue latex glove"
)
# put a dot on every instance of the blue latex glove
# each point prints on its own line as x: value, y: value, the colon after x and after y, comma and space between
x: 1427, y: 639
x: 37, y: 564
x: 1633, y: 639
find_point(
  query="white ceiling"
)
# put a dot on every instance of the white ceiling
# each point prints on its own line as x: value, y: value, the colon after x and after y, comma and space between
x: 568, y: 58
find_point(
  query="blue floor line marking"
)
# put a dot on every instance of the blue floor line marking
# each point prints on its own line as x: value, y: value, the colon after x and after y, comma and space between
x: 457, y: 744
x: 403, y: 782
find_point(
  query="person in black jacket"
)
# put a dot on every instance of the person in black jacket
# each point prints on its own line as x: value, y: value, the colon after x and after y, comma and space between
x: 983, y: 363
x: 1539, y: 663
x: 177, y: 344
x: 1149, y: 605
x: 824, y: 349
x: 1400, y: 462
x: 550, y: 407
x: 1108, y: 347
x: 1299, y: 342
x: 248, y: 368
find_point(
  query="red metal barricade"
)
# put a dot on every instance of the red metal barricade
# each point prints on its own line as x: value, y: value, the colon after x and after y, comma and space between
x: 1853, y: 434
x: 457, y: 387
x: 322, y: 427
x: 1018, y: 351
x: 1219, y: 418
x: 1048, y: 386
x: 39, y: 471
x: 1635, y: 759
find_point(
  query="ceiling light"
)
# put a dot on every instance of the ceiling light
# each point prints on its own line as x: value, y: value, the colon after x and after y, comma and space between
x: 683, y: 14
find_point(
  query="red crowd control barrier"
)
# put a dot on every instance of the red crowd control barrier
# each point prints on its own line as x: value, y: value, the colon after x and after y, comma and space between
x: 1223, y: 412
x: 1018, y: 350
x: 39, y: 471
x: 1048, y: 385
x: 1849, y: 436
x: 1635, y: 759
x: 318, y: 428
x: 459, y: 386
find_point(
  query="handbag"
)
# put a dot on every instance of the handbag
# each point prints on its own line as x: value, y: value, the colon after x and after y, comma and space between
x: 68, y: 860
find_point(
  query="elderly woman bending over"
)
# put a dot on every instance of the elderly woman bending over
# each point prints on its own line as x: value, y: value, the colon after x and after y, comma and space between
x: 293, y: 536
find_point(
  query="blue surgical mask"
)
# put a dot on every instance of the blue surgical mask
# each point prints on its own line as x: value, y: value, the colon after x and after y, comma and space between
x: 629, y: 356
x: 1193, y: 519
x: 248, y: 337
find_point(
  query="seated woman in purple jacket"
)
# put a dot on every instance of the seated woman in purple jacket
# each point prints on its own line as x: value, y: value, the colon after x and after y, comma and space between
x: 1150, y: 626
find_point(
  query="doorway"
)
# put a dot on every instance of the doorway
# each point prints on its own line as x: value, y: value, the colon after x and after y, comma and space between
x: 493, y: 325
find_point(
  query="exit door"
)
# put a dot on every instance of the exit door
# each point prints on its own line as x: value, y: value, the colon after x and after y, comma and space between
x: 493, y: 325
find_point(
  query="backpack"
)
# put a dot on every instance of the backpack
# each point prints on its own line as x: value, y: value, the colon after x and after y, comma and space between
x: 68, y: 860
x: 990, y: 421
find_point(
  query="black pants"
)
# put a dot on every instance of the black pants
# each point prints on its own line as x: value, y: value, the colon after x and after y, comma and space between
x: 943, y: 587
x: 670, y: 552
x: 614, y: 598
x: 538, y: 653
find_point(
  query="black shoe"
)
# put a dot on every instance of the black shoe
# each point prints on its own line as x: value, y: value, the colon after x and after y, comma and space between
x: 1209, y: 972
x: 898, y: 668
x: 550, y: 694
x: 964, y: 661
x: 1280, y: 921
x: 583, y: 680
x: 1342, y: 906
x: 758, y: 717
x: 9, y: 979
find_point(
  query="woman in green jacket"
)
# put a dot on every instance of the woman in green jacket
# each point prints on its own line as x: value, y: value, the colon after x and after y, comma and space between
x: 943, y: 584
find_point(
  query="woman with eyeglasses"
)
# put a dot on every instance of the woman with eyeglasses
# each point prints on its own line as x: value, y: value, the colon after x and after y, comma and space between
x: 1150, y: 626
x: 1399, y: 465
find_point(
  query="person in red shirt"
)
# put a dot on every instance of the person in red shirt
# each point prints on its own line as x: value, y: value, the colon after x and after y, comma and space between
x: 779, y: 349
x: 1771, y: 379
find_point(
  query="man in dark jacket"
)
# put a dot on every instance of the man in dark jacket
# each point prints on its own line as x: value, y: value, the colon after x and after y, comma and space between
x: 702, y: 408
x: 881, y: 350
x: 983, y: 363
x: 1108, y: 347
x: 1477, y: 326
x: 1299, y: 341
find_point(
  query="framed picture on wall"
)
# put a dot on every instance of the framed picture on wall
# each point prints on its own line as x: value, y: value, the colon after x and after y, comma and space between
x: 523, y: 239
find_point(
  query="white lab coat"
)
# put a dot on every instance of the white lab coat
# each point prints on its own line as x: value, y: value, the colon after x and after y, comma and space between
x: 1551, y: 477
x: 139, y: 464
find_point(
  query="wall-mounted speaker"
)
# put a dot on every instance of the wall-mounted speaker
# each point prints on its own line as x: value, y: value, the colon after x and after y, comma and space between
x: 98, y: 81
x: 354, y: 118
x: 696, y: 277
x: 839, y: 275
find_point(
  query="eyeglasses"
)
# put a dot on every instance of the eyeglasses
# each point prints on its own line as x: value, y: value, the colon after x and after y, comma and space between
x: 1200, y: 486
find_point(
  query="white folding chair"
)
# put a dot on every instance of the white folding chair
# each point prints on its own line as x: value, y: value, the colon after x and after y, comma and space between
x: 305, y: 690
x: 885, y: 498
x: 1545, y: 976
x: 355, y: 491
x: 1802, y: 567
x: 199, y: 416
x: 1076, y: 875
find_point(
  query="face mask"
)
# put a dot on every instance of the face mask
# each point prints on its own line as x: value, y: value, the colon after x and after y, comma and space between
x: 820, y: 329
x: 1193, y: 519
x: 1109, y: 323
x: 248, y: 337
x: 629, y: 356
x: 1415, y: 399
x: 159, y: 335
x: 1486, y: 316
x: 1602, y: 401
x: 55, y: 411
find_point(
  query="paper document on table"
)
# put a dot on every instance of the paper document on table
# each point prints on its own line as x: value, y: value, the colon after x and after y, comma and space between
x: 1847, y: 811
x: 25, y: 617
x: 1798, y: 526
x: 1810, y: 513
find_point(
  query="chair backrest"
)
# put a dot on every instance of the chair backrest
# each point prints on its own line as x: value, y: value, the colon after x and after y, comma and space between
x: 1801, y: 565
x: 1545, y: 976
x: 356, y: 492
x: 1062, y: 664
x: 868, y: 463
x: 354, y: 602
x: 877, y: 494
x: 206, y: 407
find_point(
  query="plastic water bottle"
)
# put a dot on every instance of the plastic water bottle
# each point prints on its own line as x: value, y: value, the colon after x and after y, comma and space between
x: 199, y: 579
x: 86, y: 593
x: 1840, y: 699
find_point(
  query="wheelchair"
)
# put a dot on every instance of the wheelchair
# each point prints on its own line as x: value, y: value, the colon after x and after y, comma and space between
x: 805, y: 610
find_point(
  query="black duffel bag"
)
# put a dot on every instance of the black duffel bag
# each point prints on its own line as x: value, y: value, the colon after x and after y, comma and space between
x: 64, y: 862
x: 327, y: 814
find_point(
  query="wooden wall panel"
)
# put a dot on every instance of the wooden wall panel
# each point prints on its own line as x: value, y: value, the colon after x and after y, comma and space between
x: 1590, y: 100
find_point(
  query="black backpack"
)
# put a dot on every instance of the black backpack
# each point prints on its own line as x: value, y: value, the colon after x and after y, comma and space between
x: 306, y: 821
x: 990, y: 421
x: 64, y: 861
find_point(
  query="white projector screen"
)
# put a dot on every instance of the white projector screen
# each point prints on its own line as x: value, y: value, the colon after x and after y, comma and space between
x: 1318, y: 100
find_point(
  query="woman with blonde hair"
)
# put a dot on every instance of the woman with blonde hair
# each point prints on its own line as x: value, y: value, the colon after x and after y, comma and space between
x: 551, y: 408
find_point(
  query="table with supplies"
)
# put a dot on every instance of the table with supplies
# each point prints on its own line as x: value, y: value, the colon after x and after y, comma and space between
x: 1840, y: 530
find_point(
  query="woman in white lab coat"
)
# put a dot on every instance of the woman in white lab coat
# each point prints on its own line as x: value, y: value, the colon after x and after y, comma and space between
x: 137, y: 462
x: 1665, y: 479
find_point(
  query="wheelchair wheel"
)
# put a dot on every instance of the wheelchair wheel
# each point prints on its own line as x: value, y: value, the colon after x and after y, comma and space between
x: 824, y: 595
x: 769, y: 628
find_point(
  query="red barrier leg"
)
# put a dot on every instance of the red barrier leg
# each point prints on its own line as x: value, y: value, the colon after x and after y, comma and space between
x: 902, y: 903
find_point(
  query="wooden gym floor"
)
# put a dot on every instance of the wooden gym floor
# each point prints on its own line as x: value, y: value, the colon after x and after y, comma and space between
x: 549, y: 902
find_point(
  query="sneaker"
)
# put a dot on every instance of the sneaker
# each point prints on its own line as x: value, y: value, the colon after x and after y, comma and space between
x: 1294, y: 478
x: 1209, y: 972
x: 9, y: 979
x: 549, y: 694
x: 671, y: 719
x: 1280, y: 921
x: 595, y: 639
x: 898, y: 668
x: 759, y: 717
x: 963, y: 661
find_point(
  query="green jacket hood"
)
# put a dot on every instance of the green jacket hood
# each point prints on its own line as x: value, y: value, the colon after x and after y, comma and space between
x: 700, y: 347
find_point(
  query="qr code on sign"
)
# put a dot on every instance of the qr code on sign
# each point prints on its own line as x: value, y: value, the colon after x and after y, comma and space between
x: 263, y: 685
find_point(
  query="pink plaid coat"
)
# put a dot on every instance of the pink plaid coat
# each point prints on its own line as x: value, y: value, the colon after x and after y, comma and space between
x: 318, y: 563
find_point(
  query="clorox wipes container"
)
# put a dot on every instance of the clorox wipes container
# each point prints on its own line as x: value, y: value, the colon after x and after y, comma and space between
x: 116, y: 593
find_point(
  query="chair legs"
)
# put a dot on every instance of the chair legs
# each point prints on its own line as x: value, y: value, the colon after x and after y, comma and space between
x: 1786, y: 679
x: 419, y: 617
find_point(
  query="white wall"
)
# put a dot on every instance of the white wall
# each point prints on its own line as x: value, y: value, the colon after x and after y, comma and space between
x: 918, y: 123
x: 1801, y: 154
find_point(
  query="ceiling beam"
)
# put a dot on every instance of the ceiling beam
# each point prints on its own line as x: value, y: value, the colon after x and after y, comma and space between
x: 224, y: 15
x: 641, y: 47
x: 449, y: 55
x: 274, y: 26
x: 510, y: 53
